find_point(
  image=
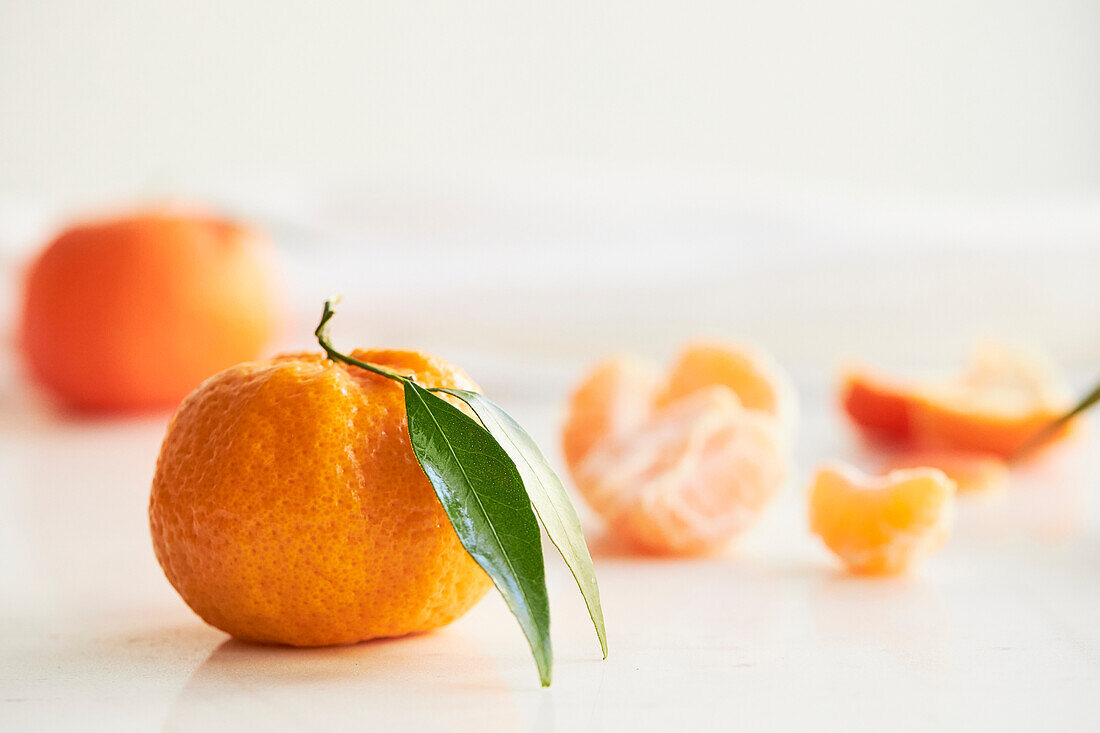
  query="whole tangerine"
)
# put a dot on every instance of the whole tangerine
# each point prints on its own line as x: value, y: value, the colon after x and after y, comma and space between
x: 133, y: 313
x: 288, y: 506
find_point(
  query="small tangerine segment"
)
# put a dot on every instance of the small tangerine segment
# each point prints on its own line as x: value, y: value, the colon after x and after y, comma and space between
x: 611, y: 400
x: 754, y: 378
x: 288, y: 507
x: 881, y: 525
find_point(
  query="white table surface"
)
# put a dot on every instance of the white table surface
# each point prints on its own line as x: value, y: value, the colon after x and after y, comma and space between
x: 997, y: 632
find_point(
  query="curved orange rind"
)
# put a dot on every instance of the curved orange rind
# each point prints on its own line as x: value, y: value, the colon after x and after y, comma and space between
x: 879, y: 407
x: 1005, y: 398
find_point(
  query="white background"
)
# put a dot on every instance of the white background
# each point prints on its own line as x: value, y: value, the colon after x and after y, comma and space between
x: 942, y: 97
x: 891, y: 178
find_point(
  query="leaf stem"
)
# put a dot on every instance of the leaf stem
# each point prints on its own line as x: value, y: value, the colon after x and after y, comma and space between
x: 1048, y: 430
x: 321, y: 332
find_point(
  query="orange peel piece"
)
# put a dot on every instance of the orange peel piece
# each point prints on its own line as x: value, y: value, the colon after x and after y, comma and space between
x: 879, y: 407
x: 1005, y: 398
x: 614, y: 398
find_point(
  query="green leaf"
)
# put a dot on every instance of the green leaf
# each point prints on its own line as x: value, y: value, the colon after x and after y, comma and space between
x: 547, y: 494
x: 482, y: 492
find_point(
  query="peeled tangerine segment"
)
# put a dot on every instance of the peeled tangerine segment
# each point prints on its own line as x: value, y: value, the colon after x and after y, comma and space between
x: 756, y: 380
x: 690, y: 478
x: 881, y: 525
x: 614, y: 399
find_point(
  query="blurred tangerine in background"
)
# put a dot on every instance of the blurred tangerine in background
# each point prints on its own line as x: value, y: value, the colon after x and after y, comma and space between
x: 132, y: 313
